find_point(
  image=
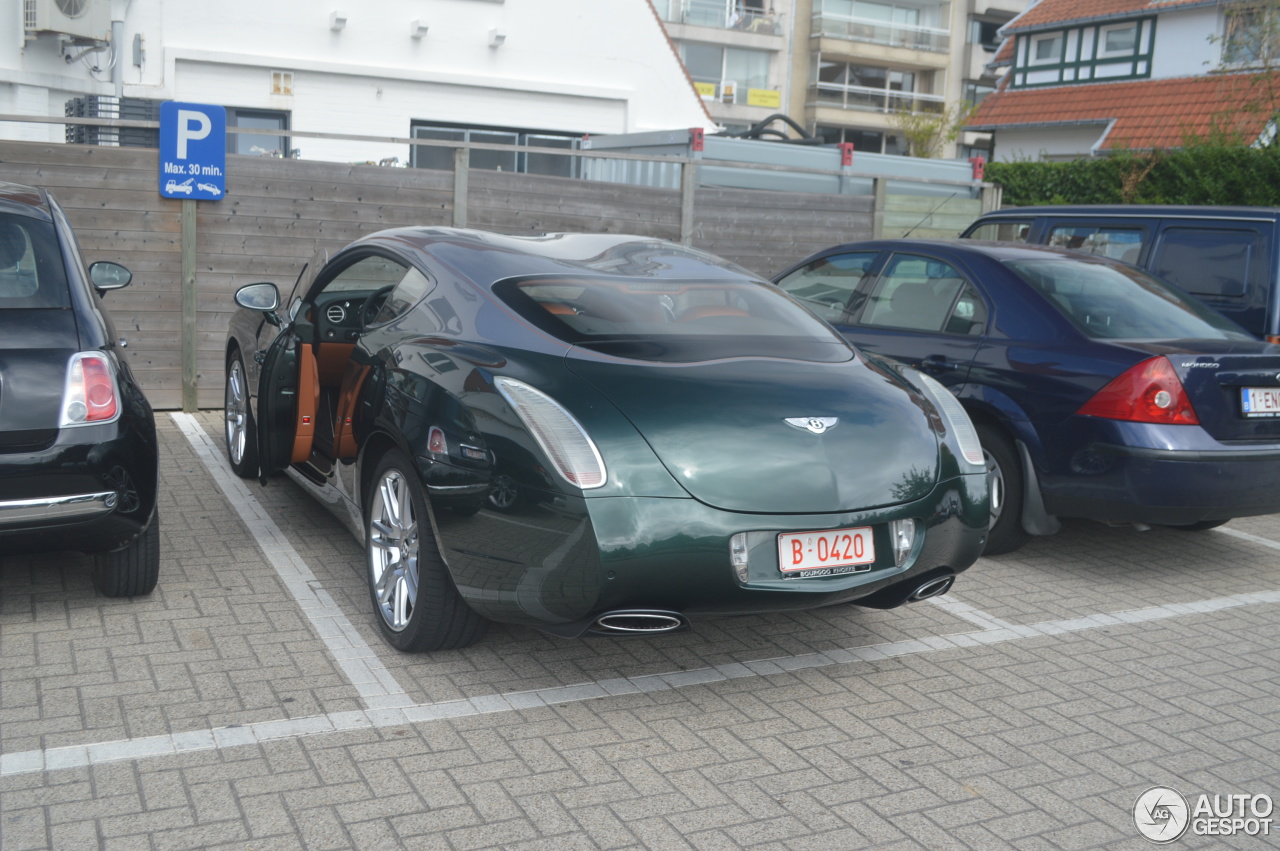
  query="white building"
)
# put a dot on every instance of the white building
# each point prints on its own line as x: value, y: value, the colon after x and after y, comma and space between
x: 542, y: 71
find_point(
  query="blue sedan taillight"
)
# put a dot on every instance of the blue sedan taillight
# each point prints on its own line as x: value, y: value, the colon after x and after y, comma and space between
x: 1149, y: 392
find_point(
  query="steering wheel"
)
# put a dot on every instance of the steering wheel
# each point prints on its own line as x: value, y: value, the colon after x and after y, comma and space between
x: 373, y: 304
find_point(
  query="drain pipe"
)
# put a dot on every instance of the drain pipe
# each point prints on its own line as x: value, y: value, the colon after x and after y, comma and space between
x: 118, y: 9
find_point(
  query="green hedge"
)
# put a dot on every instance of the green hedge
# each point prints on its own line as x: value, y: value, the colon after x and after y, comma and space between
x: 1208, y: 174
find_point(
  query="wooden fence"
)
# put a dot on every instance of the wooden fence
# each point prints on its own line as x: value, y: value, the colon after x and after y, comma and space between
x: 188, y: 257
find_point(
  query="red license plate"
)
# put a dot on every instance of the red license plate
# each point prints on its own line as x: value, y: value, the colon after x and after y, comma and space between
x: 830, y: 552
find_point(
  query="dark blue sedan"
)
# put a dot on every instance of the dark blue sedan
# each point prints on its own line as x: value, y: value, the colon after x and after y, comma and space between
x: 1097, y: 390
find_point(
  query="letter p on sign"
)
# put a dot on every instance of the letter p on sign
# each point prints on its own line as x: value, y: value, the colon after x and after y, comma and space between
x: 192, y: 125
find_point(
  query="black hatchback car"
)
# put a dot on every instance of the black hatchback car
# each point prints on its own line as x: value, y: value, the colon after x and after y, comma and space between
x: 78, y: 453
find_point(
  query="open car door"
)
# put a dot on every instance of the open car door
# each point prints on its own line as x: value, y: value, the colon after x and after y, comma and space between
x: 288, y: 396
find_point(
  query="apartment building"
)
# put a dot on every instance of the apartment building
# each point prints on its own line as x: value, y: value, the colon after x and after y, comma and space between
x: 840, y: 68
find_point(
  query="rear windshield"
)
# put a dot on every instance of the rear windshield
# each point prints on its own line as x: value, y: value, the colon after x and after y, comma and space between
x: 31, y: 270
x: 1120, y: 302
x: 674, y: 320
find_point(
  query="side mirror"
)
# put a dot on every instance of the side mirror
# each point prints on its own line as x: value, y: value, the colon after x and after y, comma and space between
x: 107, y: 276
x: 264, y: 297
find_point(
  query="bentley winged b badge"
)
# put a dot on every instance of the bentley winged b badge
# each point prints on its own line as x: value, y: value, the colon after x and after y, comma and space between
x: 817, y: 425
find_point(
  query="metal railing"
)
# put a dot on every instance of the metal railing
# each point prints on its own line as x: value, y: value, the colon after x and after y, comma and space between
x: 889, y: 33
x: 873, y: 100
x: 722, y: 15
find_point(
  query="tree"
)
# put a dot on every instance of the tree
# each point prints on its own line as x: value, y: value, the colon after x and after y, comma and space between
x: 925, y: 133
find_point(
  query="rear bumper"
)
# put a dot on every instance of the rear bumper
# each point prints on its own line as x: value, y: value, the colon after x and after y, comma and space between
x: 92, y: 490
x: 52, y: 509
x: 580, y: 558
x: 1168, y: 487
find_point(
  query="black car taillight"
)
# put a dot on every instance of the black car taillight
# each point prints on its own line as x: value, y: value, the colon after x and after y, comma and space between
x: 90, y: 395
x: 1149, y: 392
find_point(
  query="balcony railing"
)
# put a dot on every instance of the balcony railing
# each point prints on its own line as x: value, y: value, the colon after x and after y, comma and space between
x: 721, y: 16
x: 888, y: 33
x: 873, y: 100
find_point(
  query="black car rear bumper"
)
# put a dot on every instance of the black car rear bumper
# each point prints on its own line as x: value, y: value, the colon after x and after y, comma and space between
x: 92, y: 490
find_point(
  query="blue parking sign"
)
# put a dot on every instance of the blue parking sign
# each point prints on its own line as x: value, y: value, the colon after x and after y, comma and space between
x: 193, y: 151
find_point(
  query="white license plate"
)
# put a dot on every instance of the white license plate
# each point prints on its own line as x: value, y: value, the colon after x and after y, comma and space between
x: 1260, y: 401
x: 827, y: 553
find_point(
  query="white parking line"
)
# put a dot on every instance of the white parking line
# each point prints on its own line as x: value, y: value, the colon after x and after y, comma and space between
x: 1245, y: 536
x: 371, y: 679
x: 74, y: 756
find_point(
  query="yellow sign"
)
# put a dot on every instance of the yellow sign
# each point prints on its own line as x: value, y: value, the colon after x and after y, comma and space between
x: 706, y: 90
x: 764, y: 97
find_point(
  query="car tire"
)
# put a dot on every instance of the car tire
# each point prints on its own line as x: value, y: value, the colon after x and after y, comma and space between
x: 239, y: 428
x: 1202, y: 526
x: 134, y: 570
x: 504, y: 494
x: 417, y: 606
x: 1004, y: 474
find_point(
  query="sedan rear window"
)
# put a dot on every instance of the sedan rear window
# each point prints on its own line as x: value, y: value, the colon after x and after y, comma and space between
x: 31, y: 270
x: 674, y: 320
x: 1120, y: 302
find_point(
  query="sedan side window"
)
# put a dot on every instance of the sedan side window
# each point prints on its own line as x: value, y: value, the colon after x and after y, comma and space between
x: 969, y: 316
x: 923, y: 294
x: 826, y: 286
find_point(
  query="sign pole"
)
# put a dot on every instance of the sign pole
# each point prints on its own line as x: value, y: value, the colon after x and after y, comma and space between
x: 190, y: 403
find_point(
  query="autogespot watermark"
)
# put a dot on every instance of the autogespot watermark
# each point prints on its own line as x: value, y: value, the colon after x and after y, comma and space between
x: 1164, y: 815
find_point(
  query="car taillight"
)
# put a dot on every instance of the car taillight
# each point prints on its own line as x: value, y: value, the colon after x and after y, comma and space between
x: 90, y: 394
x: 1148, y: 392
x: 562, y: 437
x: 436, y: 442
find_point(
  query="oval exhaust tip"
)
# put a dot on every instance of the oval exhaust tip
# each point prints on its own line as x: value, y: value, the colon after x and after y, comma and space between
x: 932, y: 588
x: 638, y: 622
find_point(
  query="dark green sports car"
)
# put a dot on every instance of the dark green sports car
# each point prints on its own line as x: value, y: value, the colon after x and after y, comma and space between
x: 595, y: 434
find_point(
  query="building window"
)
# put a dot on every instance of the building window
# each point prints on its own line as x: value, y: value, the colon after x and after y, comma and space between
x: 872, y: 88
x: 513, y: 159
x: 976, y: 93
x: 985, y: 33
x: 732, y: 70
x: 867, y: 141
x: 1120, y: 40
x: 1251, y: 36
x: 263, y: 144
x: 1046, y: 49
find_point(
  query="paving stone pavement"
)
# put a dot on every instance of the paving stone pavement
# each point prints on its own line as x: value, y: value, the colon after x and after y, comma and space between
x: 1027, y: 709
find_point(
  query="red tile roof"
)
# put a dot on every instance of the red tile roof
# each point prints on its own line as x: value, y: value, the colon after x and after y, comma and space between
x: 1147, y: 113
x: 1004, y: 56
x: 1052, y: 12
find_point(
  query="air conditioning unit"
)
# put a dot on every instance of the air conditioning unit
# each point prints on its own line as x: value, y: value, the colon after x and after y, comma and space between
x: 89, y: 19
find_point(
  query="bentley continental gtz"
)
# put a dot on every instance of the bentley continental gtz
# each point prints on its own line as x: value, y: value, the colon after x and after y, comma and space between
x: 591, y: 434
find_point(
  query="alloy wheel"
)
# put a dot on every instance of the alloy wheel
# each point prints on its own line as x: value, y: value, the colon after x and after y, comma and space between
x: 236, y: 408
x: 393, y: 550
x: 503, y: 494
